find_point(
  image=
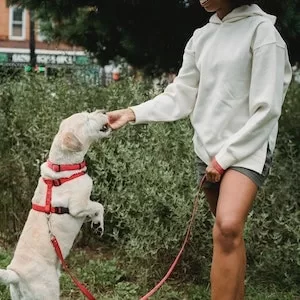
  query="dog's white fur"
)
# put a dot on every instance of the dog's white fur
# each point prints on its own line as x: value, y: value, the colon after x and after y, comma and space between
x: 33, y: 273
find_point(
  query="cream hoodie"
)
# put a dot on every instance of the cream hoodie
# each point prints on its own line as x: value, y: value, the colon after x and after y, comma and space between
x: 232, y: 84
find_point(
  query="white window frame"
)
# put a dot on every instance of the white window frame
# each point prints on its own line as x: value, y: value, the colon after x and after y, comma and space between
x: 17, y: 38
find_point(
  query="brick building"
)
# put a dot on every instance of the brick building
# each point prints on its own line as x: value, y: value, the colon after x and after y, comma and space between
x: 15, y: 36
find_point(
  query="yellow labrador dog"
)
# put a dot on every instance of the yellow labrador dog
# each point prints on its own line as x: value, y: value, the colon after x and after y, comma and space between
x: 60, y: 204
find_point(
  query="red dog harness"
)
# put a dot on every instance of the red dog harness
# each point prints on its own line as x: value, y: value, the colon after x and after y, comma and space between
x: 48, y: 208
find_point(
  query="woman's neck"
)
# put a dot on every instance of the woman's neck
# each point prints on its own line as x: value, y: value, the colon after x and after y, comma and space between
x: 223, y: 11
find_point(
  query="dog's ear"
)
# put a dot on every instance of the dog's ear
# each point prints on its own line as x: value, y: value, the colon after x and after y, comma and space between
x: 71, y: 142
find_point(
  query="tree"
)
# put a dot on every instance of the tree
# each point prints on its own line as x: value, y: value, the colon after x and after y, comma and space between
x: 148, y: 34
x: 32, y: 40
x: 288, y: 23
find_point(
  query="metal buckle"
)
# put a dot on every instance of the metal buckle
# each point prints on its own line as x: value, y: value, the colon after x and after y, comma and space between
x: 56, y: 182
x: 61, y: 210
x: 56, y: 168
x: 57, y: 210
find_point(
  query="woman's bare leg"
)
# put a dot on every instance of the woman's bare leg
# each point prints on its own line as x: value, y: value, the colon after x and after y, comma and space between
x: 236, y: 196
x: 241, y: 290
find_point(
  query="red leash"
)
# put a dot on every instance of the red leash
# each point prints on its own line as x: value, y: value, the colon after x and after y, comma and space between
x: 188, y: 232
x: 82, y: 288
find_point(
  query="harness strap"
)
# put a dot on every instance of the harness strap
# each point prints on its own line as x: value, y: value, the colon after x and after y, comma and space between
x: 54, y: 210
x: 48, y: 208
x: 58, y: 182
x: 65, y: 167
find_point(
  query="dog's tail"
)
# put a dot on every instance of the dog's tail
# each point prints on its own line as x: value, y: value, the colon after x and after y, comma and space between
x: 8, y: 276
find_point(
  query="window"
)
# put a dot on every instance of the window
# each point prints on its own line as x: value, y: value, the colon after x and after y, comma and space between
x: 16, y: 23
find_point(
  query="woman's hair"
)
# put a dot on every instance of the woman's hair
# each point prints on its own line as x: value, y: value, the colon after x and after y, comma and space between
x: 238, y: 3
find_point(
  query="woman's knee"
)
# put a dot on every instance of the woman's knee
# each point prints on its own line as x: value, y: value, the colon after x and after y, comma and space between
x: 227, y: 234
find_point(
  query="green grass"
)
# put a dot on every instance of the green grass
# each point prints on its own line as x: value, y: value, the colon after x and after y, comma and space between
x: 107, y: 278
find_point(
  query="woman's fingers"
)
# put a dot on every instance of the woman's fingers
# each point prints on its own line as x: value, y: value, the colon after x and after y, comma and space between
x: 212, y: 174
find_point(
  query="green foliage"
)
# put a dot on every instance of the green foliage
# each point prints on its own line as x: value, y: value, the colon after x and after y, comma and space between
x: 5, y: 258
x: 290, y: 126
x: 144, y: 175
x: 148, y: 34
x: 123, y: 28
x: 273, y: 228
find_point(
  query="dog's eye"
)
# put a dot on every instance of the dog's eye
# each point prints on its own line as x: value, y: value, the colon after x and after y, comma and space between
x: 104, y: 128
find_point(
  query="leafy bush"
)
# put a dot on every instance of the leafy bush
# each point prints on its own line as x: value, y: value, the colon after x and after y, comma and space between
x: 273, y: 228
x: 5, y: 258
x: 145, y: 177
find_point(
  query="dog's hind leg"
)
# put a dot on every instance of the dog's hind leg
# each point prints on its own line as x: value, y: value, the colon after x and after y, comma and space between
x: 14, y: 292
x: 46, y: 293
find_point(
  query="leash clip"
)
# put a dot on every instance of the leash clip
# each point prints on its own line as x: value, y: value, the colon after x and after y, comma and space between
x: 49, y: 227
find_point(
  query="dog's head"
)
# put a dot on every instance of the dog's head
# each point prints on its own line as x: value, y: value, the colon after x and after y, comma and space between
x: 77, y: 132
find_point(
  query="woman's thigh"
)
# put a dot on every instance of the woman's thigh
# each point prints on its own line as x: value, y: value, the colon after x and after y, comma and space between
x: 236, y: 196
x: 234, y: 178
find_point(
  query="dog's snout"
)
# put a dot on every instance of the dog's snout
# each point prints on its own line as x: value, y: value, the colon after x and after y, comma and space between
x: 100, y: 111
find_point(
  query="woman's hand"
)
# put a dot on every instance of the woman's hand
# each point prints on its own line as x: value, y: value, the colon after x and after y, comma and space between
x: 119, y: 118
x: 212, y: 174
x: 214, y: 171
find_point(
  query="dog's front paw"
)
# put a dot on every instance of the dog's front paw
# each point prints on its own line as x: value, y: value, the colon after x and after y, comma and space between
x: 97, y: 221
x: 98, y: 228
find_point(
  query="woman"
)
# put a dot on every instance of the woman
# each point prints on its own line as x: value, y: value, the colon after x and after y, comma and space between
x: 232, y: 84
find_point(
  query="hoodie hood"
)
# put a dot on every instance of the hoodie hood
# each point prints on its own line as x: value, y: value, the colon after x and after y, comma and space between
x: 242, y: 12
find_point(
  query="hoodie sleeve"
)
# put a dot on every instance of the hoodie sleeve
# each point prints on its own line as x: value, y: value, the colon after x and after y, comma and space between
x: 178, y: 99
x: 271, y: 75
